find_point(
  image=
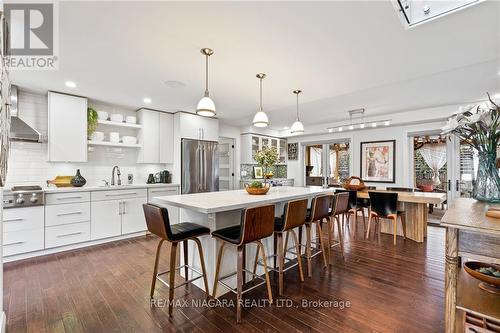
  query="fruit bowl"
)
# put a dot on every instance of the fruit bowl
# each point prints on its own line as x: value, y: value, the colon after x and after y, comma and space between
x: 257, y: 190
x: 490, y: 282
x: 354, y: 183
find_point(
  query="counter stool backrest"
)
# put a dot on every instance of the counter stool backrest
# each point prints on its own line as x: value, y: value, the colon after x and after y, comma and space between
x: 320, y: 207
x: 340, y: 203
x: 383, y: 203
x: 157, y: 221
x: 295, y: 213
x: 256, y: 223
x: 353, y: 197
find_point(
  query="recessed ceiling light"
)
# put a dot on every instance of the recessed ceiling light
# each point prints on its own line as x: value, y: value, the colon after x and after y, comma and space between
x: 70, y: 84
x: 340, y: 129
x: 147, y: 100
x: 174, y: 84
x: 387, y: 123
x: 351, y: 127
x: 330, y: 130
x: 362, y: 126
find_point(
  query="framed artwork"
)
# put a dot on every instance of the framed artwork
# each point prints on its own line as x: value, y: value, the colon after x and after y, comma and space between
x: 257, y: 172
x: 378, y: 161
x: 293, y: 151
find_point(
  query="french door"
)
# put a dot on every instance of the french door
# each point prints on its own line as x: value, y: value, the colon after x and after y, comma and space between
x: 326, y: 163
x: 463, y: 165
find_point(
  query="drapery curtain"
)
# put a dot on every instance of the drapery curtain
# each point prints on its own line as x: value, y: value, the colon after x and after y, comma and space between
x: 316, y: 161
x: 333, y: 164
x: 434, y: 155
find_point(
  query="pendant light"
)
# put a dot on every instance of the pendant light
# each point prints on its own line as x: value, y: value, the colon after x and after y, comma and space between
x: 206, y: 106
x: 260, y: 119
x: 297, y: 127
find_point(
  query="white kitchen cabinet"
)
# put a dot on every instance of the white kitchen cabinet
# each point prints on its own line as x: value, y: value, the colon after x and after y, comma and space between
x: 173, y: 212
x: 67, y: 128
x: 67, y: 234
x: 23, y: 230
x: 156, y: 136
x: 133, y: 216
x: 106, y: 219
x: 252, y: 143
x: 192, y: 126
x: 166, y: 138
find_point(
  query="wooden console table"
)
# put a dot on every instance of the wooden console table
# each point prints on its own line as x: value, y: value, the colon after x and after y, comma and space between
x: 470, y: 235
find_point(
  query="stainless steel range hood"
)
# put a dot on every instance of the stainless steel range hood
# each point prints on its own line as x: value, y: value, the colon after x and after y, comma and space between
x: 19, y: 130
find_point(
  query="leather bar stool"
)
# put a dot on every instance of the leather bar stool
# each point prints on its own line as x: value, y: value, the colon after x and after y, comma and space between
x: 158, y: 223
x: 294, y: 216
x: 256, y: 223
x: 354, y: 209
x: 385, y: 205
x: 319, y: 212
x: 340, y: 206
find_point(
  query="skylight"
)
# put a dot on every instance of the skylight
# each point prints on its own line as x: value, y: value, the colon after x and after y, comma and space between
x: 415, y: 12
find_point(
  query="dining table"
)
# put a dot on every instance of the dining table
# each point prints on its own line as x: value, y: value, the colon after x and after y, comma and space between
x: 415, y: 207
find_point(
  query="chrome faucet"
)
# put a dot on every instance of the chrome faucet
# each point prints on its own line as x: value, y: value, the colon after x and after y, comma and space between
x: 113, y: 175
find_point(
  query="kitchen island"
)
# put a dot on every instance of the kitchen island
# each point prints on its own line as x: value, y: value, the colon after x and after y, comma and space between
x: 217, y: 210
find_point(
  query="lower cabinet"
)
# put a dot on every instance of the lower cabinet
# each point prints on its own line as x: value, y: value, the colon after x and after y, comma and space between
x: 133, y: 219
x: 22, y: 230
x: 106, y: 219
x: 173, y: 212
x: 66, y: 234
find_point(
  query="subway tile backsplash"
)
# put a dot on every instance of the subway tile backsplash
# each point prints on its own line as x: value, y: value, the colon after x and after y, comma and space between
x: 279, y: 171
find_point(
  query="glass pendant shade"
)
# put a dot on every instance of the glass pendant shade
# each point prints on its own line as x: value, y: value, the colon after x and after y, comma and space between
x: 206, y: 107
x: 297, y: 127
x: 260, y: 119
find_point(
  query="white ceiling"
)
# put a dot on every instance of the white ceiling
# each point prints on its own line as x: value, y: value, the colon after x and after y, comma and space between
x: 343, y: 55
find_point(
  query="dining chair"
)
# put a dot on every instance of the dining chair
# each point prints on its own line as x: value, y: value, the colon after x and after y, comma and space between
x: 354, y: 209
x: 385, y: 205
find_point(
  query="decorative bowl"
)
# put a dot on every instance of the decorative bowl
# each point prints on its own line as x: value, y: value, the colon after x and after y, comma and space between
x: 354, y: 183
x: 116, y: 117
x: 129, y: 140
x: 257, y: 190
x: 102, y: 115
x: 489, y: 283
x: 131, y: 119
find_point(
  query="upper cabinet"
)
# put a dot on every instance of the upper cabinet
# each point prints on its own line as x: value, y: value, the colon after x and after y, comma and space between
x: 252, y: 143
x: 192, y: 126
x: 67, y: 128
x: 155, y: 136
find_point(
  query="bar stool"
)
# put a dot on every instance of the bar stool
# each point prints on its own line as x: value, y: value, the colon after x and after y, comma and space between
x: 256, y: 223
x: 320, y: 207
x: 354, y: 209
x: 158, y: 223
x: 295, y: 214
x: 385, y: 205
x: 340, y: 206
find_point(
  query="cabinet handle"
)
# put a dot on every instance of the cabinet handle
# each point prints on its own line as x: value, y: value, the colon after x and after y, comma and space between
x: 66, y: 198
x: 123, y: 208
x: 18, y: 219
x: 70, y: 234
x: 120, y: 207
x: 14, y: 243
x: 118, y: 194
x: 70, y: 213
x: 159, y: 191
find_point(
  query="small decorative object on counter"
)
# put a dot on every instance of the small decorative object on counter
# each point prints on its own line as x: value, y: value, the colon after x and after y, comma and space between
x: 61, y: 181
x: 489, y: 274
x: 151, y: 179
x: 354, y: 183
x: 130, y: 178
x: 493, y: 212
x: 78, y: 180
x: 257, y: 188
x: 478, y: 126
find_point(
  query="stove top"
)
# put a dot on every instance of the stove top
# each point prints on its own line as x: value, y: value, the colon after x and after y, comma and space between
x: 23, y: 196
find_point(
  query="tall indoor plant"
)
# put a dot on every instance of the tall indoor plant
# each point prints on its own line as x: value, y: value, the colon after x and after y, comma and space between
x: 478, y: 126
x: 267, y: 157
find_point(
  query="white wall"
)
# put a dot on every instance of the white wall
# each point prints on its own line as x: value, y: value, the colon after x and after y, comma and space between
x: 28, y: 161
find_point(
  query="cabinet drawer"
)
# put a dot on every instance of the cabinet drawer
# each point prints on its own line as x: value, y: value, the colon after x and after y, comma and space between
x: 67, y: 234
x: 120, y: 194
x: 69, y: 197
x: 17, y: 242
x: 67, y: 213
x: 161, y: 192
x: 15, y: 219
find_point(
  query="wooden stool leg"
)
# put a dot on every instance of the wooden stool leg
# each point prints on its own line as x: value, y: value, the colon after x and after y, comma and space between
x: 255, y: 263
x: 155, y: 269
x: 202, y: 262
x: 268, y: 281
x: 173, y: 257
x: 286, y: 244
x: 300, y: 240
x: 321, y: 245
x: 217, y: 269
x: 403, y: 223
x: 185, y: 250
x: 341, y: 239
x: 395, y: 222
x: 280, y: 262
x: 364, y: 219
x: 308, y: 249
x: 369, y: 223
x: 239, y: 283
x: 299, y: 258
x: 275, y: 245
x: 330, y: 231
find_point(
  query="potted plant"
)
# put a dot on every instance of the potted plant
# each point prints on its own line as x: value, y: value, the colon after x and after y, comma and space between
x: 478, y: 126
x: 91, y: 121
x: 266, y: 158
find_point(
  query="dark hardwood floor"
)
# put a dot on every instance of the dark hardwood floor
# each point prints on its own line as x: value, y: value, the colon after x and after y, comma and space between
x: 105, y: 289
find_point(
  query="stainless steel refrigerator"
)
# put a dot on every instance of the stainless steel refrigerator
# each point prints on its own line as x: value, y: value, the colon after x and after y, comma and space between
x: 199, y: 166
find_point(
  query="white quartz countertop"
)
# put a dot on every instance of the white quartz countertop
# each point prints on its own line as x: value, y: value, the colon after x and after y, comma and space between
x: 103, y: 188
x: 213, y: 202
